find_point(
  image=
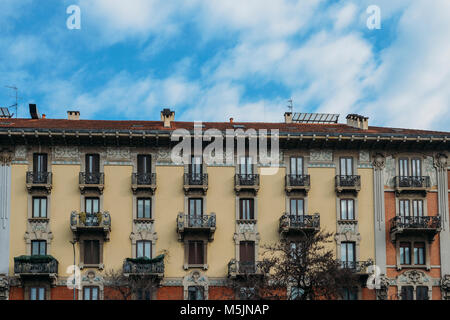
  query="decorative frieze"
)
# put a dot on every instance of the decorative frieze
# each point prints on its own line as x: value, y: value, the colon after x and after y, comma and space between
x: 118, y: 153
x: 20, y: 153
x: 364, y: 156
x: 66, y: 153
x: 321, y: 156
x: 196, y: 279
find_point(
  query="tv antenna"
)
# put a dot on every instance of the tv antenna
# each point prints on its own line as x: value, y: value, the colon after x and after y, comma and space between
x: 290, y: 105
x: 15, y: 105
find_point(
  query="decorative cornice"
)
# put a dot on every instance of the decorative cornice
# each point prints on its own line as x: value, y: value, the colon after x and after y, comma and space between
x: 6, y: 157
x: 379, y: 161
x: 440, y: 161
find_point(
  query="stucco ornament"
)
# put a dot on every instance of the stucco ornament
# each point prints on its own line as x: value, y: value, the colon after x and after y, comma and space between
x: 389, y: 171
x: 378, y: 161
x: 4, y: 287
x: 440, y: 161
x: 66, y: 153
x: 382, y: 292
x: 118, y: 153
x: 364, y: 156
x: 413, y: 277
x: 21, y: 152
x: 198, y: 279
x: 321, y: 155
x: 429, y: 170
x: 5, y: 157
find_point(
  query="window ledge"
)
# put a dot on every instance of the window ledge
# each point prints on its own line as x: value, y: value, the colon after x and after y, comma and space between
x: 413, y: 266
x: 192, y: 266
x: 99, y: 266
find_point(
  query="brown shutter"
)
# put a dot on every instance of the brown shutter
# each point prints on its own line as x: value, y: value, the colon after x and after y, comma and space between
x: 191, y: 257
x: 144, y: 164
x: 87, y: 252
x: 247, y: 251
x: 200, y: 252
x: 252, y: 209
x: 96, y: 252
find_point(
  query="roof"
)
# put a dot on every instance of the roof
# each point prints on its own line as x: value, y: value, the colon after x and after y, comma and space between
x: 18, y: 124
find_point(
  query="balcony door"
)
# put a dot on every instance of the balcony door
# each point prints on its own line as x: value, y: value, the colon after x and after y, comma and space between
x: 416, y: 167
x: 92, y: 169
x: 195, y: 170
x: 403, y: 167
x: 40, y: 168
x: 144, y: 169
x: 346, y: 166
x: 348, y: 254
x: 195, y: 212
x: 297, y: 166
x: 297, y: 211
x: 245, y: 166
x: 247, y: 257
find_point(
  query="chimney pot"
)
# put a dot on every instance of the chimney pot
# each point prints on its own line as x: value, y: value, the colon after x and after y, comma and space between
x: 167, y: 116
x: 73, y: 115
x: 288, y: 117
x: 357, y: 121
x: 231, y: 120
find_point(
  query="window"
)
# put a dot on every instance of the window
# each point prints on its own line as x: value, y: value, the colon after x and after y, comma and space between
x: 296, y: 293
x: 143, y: 249
x: 416, y: 167
x: 246, y: 209
x: 404, y: 210
x: 195, y: 212
x: 421, y: 293
x: 38, y: 248
x: 91, y: 252
x: 247, y: 251
x: 195, y: 293
x: 407, y: 293
x: 39, y: 207
x: 37, y: 293
x: 196, y: 253
x: 144, y: 164
x: 90, y: 293
x: 92, y: 163
x: 419, y: 253
x: 143, y: 294
x: 403, y: 167
x: 346, y: 166
x: 348, y: 254
x: 39, y: 163
x: 92, y: 205
x: 297, y: 166
x: 144, y: 208
x: 247, y: 293
x: 350, y: 294
x: 297, y: 207
x: 417, y: 208
x: 347, y: 209
x: 405, y: 253
x: 195, y: 168
x: 245, y: 165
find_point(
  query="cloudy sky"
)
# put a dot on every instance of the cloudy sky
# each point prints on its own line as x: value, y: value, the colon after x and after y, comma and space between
x: 215, y: 59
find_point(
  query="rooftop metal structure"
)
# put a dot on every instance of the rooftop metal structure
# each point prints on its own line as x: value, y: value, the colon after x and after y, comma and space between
x: 301, y: 117
x: 4, y: 113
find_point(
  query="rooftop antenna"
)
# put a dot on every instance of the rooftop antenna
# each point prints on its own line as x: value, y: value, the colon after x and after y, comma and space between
x: 15, y: 105
x: 290, y: 105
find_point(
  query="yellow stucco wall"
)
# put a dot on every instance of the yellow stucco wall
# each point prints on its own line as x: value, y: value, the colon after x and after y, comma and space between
x: 365, y: 215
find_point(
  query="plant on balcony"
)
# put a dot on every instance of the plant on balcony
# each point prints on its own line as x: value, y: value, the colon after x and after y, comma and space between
x: 82, y: 217
x: 34, y: 259
x: 99, y: 216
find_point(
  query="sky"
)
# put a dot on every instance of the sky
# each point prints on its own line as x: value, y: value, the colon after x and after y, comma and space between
x: 211, y: 60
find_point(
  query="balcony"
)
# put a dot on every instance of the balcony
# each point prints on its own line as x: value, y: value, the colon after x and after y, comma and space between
x: 144, y: 267
x: 92, y: 181
x: 297, y: 183
x: 35, y: 266
x: 204, y: 225
x: 143, y: 182
x: 39, y: 181
x: 246, y: 182
x: 412, y: 184
x: 299, y: 224
x: 347, y: 183
x: 415, y: 226
x: 358, y: 267
x: 90, y: 223
x: 195, y: 182
x: 238, y: 269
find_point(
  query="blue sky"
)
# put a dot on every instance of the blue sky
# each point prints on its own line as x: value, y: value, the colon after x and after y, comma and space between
x: 212, y: 60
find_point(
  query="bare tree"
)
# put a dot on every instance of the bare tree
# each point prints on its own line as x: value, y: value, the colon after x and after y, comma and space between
x: 306, y: 269
x: 128, y: 287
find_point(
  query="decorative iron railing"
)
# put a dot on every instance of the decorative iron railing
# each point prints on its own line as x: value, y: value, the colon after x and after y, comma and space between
x: 185, y: 221
x: 39, y: 177
x: 246, y: 179
x: 412, y: 182
x: 92, y: 178
x: 35, y: 265
x: 288, y: 221
x: 96, y: 220
x: 144, y: 266
x: 348, y: 181
x: 297, y: 180
x: 244, y: 267
x: 418, y: 222
x: 145, y: 178
x: 195, y: 179
x: 356, y: 266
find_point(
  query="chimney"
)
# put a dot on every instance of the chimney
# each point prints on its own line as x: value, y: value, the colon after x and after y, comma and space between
x: 231, y: 120
x: 358, y: 121
x: 167, y: 116
x: 73, y: 115
x: 34, y: 113
x: 288, y: 117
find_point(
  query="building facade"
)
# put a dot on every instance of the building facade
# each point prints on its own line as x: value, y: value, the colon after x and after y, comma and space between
x: 110, y: 195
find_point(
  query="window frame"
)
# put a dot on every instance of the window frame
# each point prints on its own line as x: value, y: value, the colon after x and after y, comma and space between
x: 91, y: 290
x: 33, y: 210
x: 346, y: 201
x: 92, y: 261
x: 243, y: 214
x: 198, y: 258
x: 143, y: 217
x: 145, y: 244
x: 41, y: 293
x: 41, y: 244
x: 295, y: 160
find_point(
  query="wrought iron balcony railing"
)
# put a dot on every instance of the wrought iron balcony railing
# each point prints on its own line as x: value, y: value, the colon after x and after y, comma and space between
x: 196, y: 179
x: 143, y: 181
x: 241, y: 268
x: 188, y: 223
x: 35, y: 265
x: 348, y: 182
x: 144, y: 266
x: 39, y: 180
x: 92, y: 180
x: 297, y: 180
x: 248, y: 182
x: 356, y: 266
x: 419, y: 223
x: 82, y: 221
x: 412, y: 182
x: 290, y: 222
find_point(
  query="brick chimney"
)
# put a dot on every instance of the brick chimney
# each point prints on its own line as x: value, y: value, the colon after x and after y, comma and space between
x: 358, y: 121
x: 73, y: 115
x: 167, y: 116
